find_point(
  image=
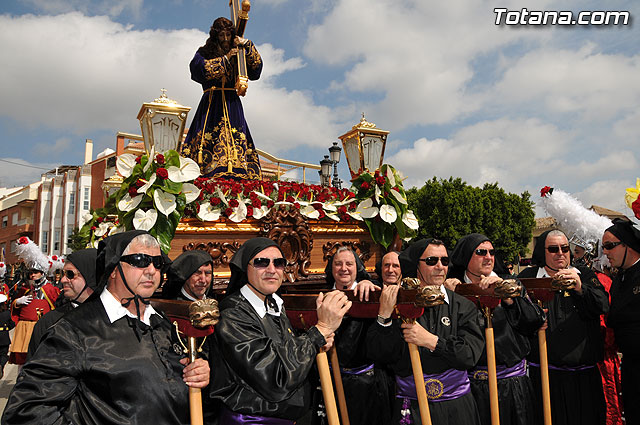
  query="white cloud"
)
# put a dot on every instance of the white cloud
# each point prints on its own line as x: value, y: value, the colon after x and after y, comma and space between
x: 108, y: 7
x: 60, y: 145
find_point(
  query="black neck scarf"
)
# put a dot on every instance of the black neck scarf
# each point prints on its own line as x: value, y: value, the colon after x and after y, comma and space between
x: 269, y: 301
x: 137, y: 299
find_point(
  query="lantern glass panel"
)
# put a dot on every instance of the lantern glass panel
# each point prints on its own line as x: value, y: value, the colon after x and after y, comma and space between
x: 372, y: 152
x: 352, y: 152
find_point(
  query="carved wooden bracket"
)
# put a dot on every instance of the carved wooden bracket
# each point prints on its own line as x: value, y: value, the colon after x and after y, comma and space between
x: 221, y: 252
x: 290, y: 230
x: 362, y: 249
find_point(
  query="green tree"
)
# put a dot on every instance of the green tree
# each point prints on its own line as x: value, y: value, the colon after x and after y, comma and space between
x: 450, y: 209
x: 77, y: 240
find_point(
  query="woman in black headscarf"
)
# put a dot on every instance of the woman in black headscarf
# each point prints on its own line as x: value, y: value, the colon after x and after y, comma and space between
x: 263, y: 370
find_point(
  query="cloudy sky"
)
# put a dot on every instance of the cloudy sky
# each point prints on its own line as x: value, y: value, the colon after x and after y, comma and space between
x: 523, y: 106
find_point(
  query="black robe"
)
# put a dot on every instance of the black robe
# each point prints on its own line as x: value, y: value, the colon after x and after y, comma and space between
x: 43, y: 325
x: 459, y: 346
x: 624, y: 319
x: 90, y: 371
x: 262, y: 368
x: 574, y: 339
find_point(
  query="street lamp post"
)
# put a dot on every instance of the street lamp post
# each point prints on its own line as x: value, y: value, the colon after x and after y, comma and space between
x: 334, y: 152
x: 325, y: 171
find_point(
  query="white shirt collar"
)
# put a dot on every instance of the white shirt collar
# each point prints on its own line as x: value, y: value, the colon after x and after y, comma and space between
x: 542, y: 272
x: 351, y: 288
x: 188, y: 296
x: 116, y: 311
x: 258, y: 304
x: 444, y: 291
x: 467, y: 280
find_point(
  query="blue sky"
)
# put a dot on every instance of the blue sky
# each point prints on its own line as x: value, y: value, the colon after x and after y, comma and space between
x: 522, y: 106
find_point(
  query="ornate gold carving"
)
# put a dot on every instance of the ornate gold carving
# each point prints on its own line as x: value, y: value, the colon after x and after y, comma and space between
x: 289, y: 229
x: 203, y: 313
x: 221, y: 252
x: 362, y: 249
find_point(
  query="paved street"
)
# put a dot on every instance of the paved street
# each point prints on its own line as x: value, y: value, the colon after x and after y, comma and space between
x: 6, y: 384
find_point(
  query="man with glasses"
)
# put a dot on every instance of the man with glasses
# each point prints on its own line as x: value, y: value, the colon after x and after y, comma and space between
x: 78, y: 283
x: 114, y: 359
x: 262, y: 374
x: 621, y: 245
x: 514, y: 321
x: 574, y: 340
x: 448, y: 336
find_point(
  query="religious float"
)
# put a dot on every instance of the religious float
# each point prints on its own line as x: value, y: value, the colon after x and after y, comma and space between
x: 165, y: 193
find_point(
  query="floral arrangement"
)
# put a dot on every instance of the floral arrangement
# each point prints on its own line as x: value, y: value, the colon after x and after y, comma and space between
x: 632, y: 199
x: 382, y: 204
x: 158, y: 190
x: 152, y: 197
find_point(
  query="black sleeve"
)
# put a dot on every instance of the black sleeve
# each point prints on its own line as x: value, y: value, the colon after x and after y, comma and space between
x: 594, y: 300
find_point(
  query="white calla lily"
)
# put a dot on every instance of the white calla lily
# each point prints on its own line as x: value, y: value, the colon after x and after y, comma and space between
x: 398, y: 197
x: 239, y: 212
x: 164, y: 202
x: 221, y: 196
x: 366, y: 209
x: 125, y: 164
x: 310, y: 212
x: 188, y: 170
x: 190, y: 191
x: 333, y: 217
x: 391, y: 177
x: 145, y: 220
x: 117, y: 229
x: 147, y: 184
x: 388, y: 213
x: 150, y: 160
x: 127, y: 203
x: 85, y: 217
x: 208, y: 212
x: 410, y: 220
x: 103, y: 228
x: 261, y: 195
x: 355, y: 215
x: 377, y: 193
x: 329, y: 206
x: 258, y: 213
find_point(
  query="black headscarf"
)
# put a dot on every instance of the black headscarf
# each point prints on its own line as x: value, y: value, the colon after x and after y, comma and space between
x: 240, y: 262
x: 410, y: 256
x: 626, y: 232
x: 463, y: 252
x: 361, y: 271
x: 181, y: 270
x: 85, y: 261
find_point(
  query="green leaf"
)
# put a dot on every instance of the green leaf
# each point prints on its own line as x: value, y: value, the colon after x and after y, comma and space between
x: 171, y: 187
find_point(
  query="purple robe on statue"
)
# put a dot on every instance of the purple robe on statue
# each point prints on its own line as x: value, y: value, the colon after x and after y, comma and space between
x: 219, y: 139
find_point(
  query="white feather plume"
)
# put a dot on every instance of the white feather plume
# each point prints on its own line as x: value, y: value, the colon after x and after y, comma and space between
x: 31, y: 254
x: 578, y: 222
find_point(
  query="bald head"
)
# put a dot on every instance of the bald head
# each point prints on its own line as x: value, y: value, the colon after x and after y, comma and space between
x: 391, y: 273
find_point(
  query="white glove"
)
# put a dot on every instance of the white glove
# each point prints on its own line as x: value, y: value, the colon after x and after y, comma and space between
x: 24, y: 300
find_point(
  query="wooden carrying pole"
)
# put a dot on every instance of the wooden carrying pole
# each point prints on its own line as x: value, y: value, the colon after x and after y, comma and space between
x: 337, y: 379
x: 195, y: 394
x: 491, y: 369
x: 544, y: 376
x: 327, y: 389
x: 418, y: 377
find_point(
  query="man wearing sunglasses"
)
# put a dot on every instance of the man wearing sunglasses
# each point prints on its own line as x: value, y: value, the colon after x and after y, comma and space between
x: 189, y: 277
x: 114, y: 359
x: 621, y: 245
x: 448, y: 336
x: 514, y: 321
x: 78, y: 282
x: 574, y: 340
x: 262, y: 373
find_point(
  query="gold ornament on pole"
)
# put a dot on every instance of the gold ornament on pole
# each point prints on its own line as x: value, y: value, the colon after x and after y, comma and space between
x: 162, y: 122
x: 364, y: 147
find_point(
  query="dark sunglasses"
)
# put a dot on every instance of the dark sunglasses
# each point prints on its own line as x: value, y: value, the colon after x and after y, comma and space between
x: 70, y: 274
x: 432, y: 261
x: 263, y: 263
x: 555, y: 248
x: 610, y: 245
x: 142, y: 261
x: 482, y: 252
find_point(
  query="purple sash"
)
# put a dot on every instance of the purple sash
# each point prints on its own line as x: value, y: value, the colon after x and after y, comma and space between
x: 356, y: 370
x: 232, y: 418
x: 565, y: 368
x: 448, y: 385
x: 502, y: 371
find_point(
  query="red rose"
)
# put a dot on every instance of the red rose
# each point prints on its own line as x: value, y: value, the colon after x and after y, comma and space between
x: 162, y: 173
x: 93, y: 228
x: 215, y: 201
x: 255, y: 202
x: 342, y: 210
x: 352, y: 206
x: 636, y: 207
x: 365, y: 186
x: 99, y: 220
x: 290, y: 199
x: 138, y: 159
x: 322, y: 214
x: 133, y: 191
x: 160, y: 158
x: 270, y: 203
x: 296, y: 205
x: 233, y: 203
x: 249, y: 211
x: 23, y: 240
x: 228, y: 212
x: 546, y: 190
x: 139, y: 183
x: 380, y: 180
